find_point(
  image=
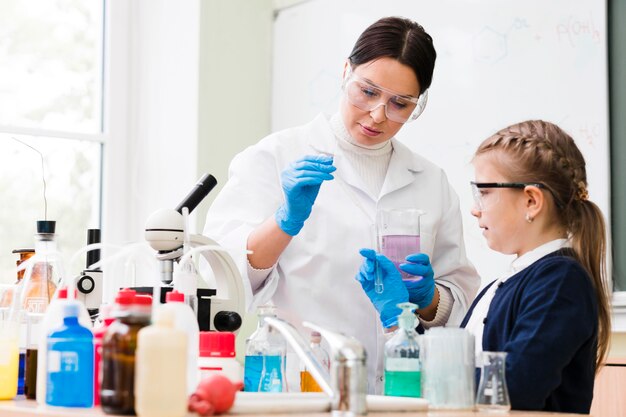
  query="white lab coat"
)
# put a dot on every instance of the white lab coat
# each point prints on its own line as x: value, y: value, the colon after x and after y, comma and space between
x: 314, y: 279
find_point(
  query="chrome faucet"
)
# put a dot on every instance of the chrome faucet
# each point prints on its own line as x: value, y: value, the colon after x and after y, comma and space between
x: 347, y: 383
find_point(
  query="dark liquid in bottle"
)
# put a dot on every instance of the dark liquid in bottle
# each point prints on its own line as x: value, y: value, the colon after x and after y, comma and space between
x: 117, y: 388
x: 30, y: 374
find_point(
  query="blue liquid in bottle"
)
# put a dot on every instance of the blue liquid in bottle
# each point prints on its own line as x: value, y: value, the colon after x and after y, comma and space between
x: 263, y: 374
x: 20, y: 374
x: 253, y: 367
x: 70, y: 363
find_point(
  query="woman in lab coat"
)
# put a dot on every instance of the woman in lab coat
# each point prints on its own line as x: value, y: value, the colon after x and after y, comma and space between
x: 304, y: 200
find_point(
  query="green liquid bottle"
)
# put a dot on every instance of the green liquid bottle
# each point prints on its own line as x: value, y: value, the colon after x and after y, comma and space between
x: 403, y: 368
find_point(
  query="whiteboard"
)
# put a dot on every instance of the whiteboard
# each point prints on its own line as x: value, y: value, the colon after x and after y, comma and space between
x: 498, y: 62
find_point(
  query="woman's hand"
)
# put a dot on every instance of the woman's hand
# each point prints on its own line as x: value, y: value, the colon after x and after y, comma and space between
x: 394, y: 292
x: 301, y: 182
x: 421, y: 292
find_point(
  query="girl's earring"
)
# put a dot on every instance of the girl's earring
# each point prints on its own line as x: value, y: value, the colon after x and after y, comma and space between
x: 528, y: 218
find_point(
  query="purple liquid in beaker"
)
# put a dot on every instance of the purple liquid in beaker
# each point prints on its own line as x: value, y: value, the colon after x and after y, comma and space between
x: 397, y: 248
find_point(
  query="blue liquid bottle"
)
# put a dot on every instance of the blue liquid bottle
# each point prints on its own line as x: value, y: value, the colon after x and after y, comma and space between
x: 264, y: 366
x: 402, y: 357
x: 70, y: 362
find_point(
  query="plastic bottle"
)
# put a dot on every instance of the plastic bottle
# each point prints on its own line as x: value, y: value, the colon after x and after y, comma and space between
x: 70, y: 362
x: 307, y: 382
x: 117, y: 387
x: 9, y: 358
x: 264, y: 366
x: 7, y: 296
x: 161, y: 371
x: 98, y: 335
x: 186, y: 321
x: 217, y: 355
x: 52, y: 319
x: 402, y: 357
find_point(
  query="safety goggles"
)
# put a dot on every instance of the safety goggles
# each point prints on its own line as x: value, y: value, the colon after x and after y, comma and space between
x: 484, y: 198
x: 368, y: 96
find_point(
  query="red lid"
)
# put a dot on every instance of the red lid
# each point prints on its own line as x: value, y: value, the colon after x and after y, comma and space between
x: 125, y: 297
x: 62, y: 293
x: 217, y: 344
x: 174, y: 297
x: 143, y: 299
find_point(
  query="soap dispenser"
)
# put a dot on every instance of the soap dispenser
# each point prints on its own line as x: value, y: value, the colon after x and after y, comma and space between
x: 402, y: 357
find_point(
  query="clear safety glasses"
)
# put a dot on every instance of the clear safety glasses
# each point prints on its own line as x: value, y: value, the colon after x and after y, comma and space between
x: 485, y: 198
x: 367, y: 96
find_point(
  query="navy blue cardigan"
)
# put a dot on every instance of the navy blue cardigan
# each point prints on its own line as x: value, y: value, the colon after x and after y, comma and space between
x: 546, y: 318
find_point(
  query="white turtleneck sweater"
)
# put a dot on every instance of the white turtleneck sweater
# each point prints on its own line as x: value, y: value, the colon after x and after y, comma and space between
x: 370, y: 162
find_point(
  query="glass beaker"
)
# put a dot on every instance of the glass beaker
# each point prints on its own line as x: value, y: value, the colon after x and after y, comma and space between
x: 398, y: 235
x: 448, y: 368
x: 492, y: 393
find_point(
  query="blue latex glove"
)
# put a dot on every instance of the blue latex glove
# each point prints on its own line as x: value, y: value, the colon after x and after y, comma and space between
x: 420, y: 292
x: 301, y: 182
x: 386, y: 303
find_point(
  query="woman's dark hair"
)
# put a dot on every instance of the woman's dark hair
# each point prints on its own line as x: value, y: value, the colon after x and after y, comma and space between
x: 401, y: 39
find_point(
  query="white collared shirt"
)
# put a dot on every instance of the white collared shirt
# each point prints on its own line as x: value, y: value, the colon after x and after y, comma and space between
x: 476, y: 323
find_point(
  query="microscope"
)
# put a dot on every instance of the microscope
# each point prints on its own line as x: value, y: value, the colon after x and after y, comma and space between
x: 220, y: 308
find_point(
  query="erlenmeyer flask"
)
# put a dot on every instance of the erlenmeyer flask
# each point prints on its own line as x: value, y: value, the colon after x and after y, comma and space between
x: 492, y: 393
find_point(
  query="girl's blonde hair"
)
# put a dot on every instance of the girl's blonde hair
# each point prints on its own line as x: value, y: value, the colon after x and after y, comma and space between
x: 539, y: 151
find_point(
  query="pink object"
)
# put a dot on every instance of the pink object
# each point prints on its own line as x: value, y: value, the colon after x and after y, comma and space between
x: 215, y: 395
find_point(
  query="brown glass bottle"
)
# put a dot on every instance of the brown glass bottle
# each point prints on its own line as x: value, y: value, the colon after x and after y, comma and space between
x: 7, y: 296
x: 30, y: 374
x: 117, y: 388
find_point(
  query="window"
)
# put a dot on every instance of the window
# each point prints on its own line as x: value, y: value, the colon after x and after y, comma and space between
x: 51, y: 98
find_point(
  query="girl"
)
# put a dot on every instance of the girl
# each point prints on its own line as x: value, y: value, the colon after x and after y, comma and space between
x: 550, y: 312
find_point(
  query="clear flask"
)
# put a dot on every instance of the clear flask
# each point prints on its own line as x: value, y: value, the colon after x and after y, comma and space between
x: 44, y: 274
x: 402, y: 357
x: 307, y: 382
x: 264, y: 366
x: 493, y: 394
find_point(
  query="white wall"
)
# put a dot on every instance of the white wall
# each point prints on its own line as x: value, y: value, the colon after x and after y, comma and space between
x: 150, y: 157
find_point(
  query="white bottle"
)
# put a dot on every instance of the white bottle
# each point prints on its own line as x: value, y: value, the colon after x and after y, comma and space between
x: 217, y: 355
x: 160, y: 368
x: 186, y: 320
x: 52, y: 319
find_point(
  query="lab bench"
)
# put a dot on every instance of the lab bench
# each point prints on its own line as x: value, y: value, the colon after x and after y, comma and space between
x: 29, y: 408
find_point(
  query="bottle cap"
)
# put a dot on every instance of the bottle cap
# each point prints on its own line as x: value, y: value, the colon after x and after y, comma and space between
x: 407, y: 319
x: 62, y: 293
x: 125, y: 297
x: 46, y: 226
x: 174, y: 297
x: 217, y: 344
x: 316, y: 337
x: 71, y: 310
x: 143, y: 300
